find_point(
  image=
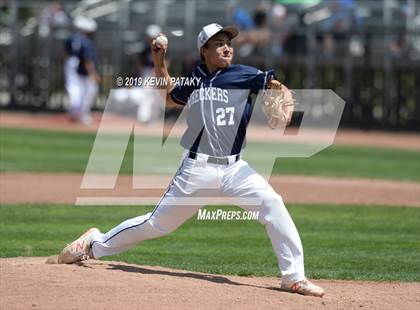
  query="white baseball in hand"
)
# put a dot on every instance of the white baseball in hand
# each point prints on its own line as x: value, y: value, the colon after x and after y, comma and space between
x: 161, y: 41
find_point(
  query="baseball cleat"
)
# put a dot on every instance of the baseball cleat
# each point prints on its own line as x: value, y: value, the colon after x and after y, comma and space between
x: 304, y: 287
x: 78, y: 250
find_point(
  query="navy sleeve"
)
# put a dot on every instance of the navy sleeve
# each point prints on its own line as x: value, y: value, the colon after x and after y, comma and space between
x: 261, y: 79
x: 254, y: 79
x: 181, y: 93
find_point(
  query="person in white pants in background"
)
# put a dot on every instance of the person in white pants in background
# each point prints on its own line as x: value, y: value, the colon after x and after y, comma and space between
x: 148, y: 106
x: 219, y: 110
x: 80, y: 69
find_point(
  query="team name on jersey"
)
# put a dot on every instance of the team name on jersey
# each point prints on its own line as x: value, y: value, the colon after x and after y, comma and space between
x: 209, y: 93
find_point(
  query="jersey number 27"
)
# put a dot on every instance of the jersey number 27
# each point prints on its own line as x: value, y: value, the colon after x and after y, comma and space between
x: 222, y: 114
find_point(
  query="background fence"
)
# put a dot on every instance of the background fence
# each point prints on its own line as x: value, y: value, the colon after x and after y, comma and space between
x: 368, y: 52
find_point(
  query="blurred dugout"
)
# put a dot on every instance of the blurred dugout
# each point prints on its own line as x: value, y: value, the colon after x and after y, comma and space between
x: 367, y: 51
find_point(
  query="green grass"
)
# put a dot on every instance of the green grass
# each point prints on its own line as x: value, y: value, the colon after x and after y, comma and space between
x: 340, y: 242
x: 47, y: 151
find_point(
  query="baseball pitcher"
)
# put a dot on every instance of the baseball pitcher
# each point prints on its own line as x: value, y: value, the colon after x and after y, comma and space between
x: 219, y: 110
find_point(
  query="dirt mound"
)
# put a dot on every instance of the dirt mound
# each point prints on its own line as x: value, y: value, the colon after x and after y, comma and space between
x: 29, y: 283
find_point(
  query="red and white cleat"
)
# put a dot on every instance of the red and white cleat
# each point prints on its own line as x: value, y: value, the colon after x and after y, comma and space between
x: 304, y: 287
x: 79, y: 249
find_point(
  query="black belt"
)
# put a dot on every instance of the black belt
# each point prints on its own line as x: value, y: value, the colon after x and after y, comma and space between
x: 215, y: 160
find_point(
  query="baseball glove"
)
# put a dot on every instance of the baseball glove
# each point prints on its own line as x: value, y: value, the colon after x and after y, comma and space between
x: 278, y: 103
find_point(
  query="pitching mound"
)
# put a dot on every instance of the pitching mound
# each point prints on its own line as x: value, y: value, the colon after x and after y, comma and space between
x: 30, y: 283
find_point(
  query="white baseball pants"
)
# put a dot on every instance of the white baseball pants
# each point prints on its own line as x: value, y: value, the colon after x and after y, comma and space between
x: 82, y: 91
x: 196, y: 178
x: 72, y: 83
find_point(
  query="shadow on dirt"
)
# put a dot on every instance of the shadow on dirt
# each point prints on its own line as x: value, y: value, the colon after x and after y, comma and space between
x: 180, y: 274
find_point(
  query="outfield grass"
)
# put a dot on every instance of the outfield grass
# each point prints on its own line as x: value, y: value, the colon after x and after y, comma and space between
x: 47, y: 151
x: 340, y: 242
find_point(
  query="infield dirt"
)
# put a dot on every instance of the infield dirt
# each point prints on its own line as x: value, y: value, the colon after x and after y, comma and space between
x: 29, y: 283
x: 65, y: 188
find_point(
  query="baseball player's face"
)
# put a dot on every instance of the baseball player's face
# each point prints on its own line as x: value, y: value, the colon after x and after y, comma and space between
x: 218, y: 51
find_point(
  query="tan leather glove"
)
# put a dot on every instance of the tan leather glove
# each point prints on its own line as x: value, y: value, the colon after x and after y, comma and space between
x: 278, y: 104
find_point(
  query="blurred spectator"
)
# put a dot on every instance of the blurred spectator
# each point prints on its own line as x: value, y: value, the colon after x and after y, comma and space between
x: 242, y: 19
x: 400, y: 45
x: 81, y: 76
x: 340, y: 22
x: 254, y: 33
x: 52, y: 16
x: 261, y: 33
x: 341, y: 16
x: 146, y: 98
x: 145, y: 56
x: 73, y: 45
x: 280, y: 29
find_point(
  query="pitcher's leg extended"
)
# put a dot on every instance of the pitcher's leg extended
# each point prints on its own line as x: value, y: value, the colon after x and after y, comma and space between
x: 169, y: 214
x: 173, y: 209
x: 163, y: 220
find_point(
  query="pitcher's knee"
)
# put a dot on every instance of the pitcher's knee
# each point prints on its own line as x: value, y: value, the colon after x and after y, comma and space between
x: 159, y: 229
x: 154, y: 231
x: 148, y: 227
x: 273, y: 200
x: 273, y: 208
